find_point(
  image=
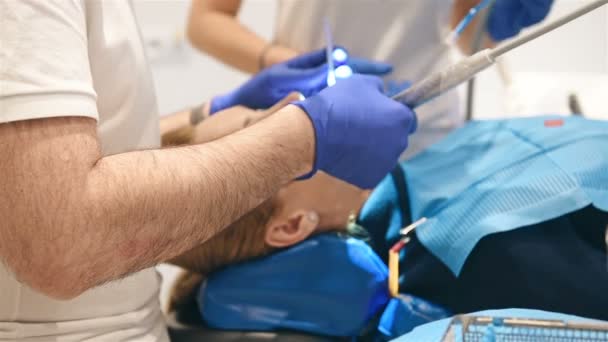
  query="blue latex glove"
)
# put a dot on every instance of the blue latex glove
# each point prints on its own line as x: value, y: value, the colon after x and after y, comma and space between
x: 360, y: 132
x: 361, y: 65
x: 367, y: 67
x: 508, y: 17
x: 306, y: 74
x: 394, y: 87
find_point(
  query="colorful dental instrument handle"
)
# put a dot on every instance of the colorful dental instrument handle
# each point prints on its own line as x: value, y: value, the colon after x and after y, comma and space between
x: 393, y: 266
x: 393, y: 256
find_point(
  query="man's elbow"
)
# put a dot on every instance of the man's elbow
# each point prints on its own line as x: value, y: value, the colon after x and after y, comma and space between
x: 53, y: 271
x: 61, y: 286
x: 54, y: 283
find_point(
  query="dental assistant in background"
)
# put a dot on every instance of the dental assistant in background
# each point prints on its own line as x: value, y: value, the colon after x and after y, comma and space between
x: 86, y: 195
x: 409, y: 34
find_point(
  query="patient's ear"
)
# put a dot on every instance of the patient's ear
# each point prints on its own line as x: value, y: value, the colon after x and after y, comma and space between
x: 285, y: 232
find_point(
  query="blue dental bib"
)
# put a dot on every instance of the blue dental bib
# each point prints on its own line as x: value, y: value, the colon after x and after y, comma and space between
x: 496, y: 176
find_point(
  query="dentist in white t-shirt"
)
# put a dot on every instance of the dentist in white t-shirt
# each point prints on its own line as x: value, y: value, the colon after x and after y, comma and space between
x: 89, y: 203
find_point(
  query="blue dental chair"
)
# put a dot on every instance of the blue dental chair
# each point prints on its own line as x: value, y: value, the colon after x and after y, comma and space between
x: 187, y: 325
x: 327, y: 288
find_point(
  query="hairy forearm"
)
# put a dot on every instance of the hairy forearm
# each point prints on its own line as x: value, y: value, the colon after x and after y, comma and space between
x: 176, y: 198
x: 90, y: 220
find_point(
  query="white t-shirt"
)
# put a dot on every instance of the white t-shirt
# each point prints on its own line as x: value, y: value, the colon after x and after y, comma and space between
x: 79, y: 58
x: 406, y: 33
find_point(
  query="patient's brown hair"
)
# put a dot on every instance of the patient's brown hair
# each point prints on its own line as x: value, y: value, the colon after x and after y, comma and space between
x: 242, y: 240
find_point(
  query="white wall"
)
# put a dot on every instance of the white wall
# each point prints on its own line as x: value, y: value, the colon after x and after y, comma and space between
x: 571, y: 59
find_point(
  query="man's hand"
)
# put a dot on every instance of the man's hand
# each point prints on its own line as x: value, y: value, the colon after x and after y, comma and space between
x: 360, y: 132
x: 508, y: 17
x: 306, y: 74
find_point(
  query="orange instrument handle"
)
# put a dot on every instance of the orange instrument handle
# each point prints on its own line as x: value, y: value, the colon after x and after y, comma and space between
x: 393, y: 267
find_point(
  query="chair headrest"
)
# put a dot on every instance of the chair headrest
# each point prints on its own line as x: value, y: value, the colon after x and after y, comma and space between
x: 325, y: 285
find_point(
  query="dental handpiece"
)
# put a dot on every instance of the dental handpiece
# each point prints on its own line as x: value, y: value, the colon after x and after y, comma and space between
x: 456, y: 74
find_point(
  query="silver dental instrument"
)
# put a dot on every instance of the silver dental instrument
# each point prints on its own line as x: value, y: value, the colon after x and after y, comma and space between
x: 440, y: 82
x: 405, y: 231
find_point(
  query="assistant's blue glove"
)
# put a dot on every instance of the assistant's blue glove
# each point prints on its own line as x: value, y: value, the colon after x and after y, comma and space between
x: 360, y: 132
x: 508, y: 17
x: 360, y: 65
x: 367, y: 67
x: 394, y: 87
x: 306, y: 74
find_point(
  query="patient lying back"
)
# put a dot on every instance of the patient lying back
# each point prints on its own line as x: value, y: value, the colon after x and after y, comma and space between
x: 556, y: 265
